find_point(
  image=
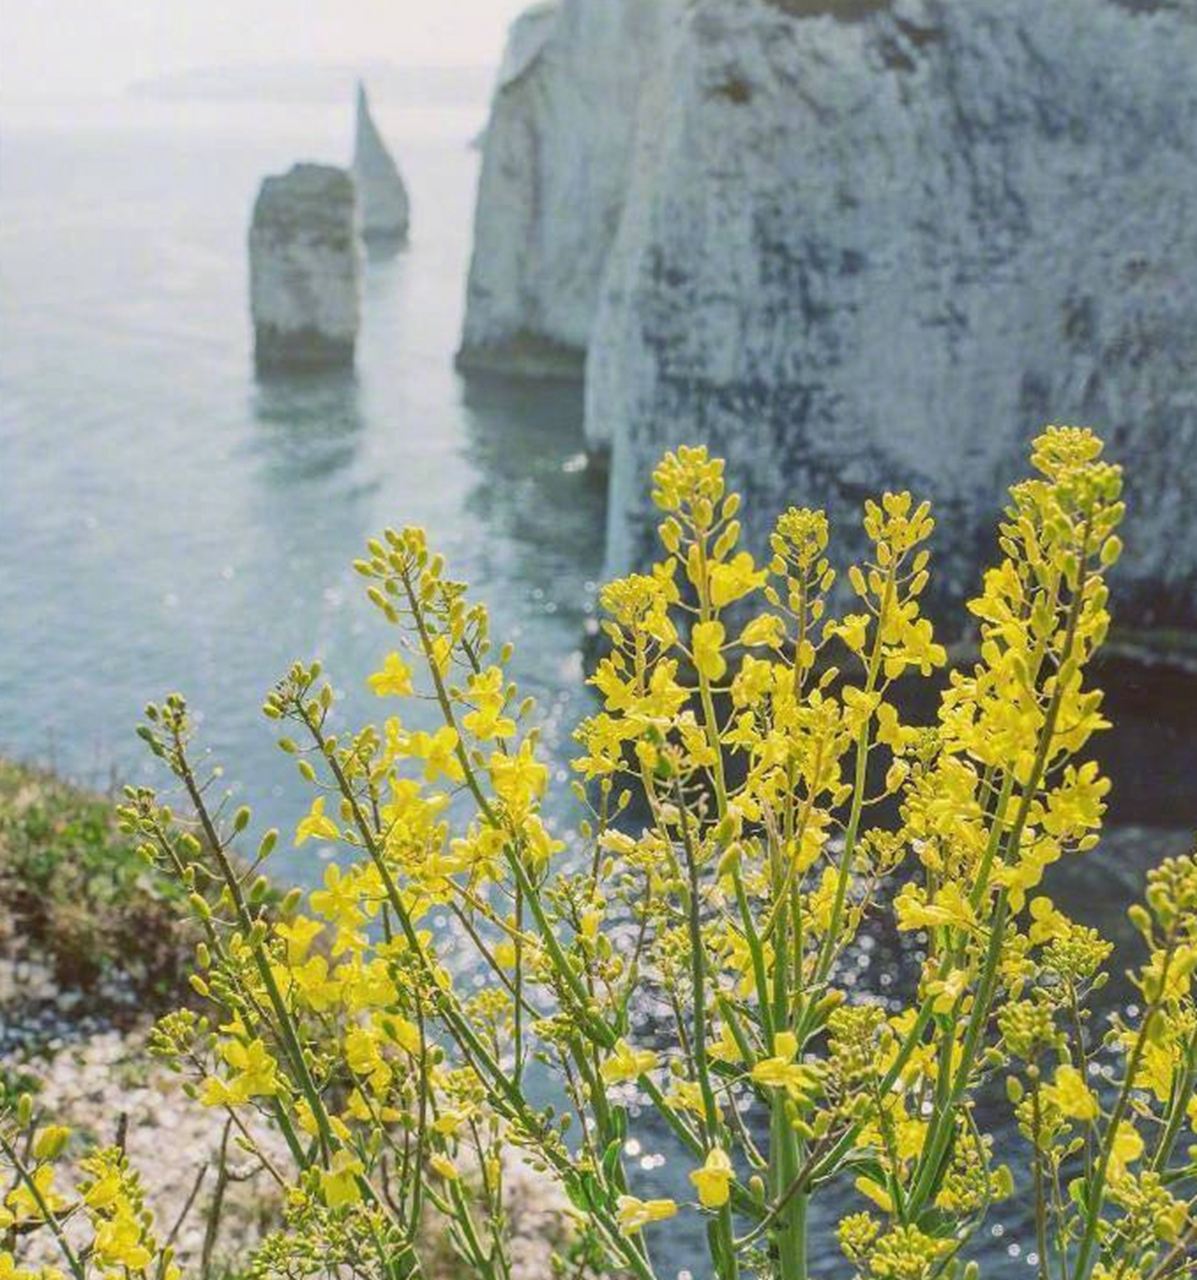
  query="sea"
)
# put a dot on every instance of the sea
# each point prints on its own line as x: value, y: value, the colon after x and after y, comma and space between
x: 169, y: 521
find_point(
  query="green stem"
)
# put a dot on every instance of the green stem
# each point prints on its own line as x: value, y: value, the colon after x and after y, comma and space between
x: 726, y: 1260
x: 943, y: 1123
x: 1040, y: 1200
x: 844, y: 875
x: 1095, y: 1192
x: 261, y: 960
x: 790, y: 1225
x: 1178, y: 1111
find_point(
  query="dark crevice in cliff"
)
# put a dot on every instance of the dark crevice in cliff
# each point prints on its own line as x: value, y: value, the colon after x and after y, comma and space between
x: 844, y: 10
x: 1148, y: 6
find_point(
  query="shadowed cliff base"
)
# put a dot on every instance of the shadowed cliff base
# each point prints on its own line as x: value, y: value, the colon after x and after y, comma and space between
x: 525, y: 354
x: 1149, y: 6
x: 279, y: 351
x: 381, y: 245
x: 844, y: 10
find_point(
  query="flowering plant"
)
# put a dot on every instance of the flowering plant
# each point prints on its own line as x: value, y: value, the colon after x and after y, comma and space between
x: 755, y: 795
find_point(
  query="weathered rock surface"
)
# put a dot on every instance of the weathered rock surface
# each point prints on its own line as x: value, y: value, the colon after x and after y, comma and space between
x: 878, y: 242
x: 553, y: 181
x: 883, y: 243
x: 384, y: 209
x: 305, y: 269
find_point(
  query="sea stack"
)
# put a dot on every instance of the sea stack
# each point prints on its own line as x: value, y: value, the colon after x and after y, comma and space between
x: 383, y: 206
x: 305, y: 269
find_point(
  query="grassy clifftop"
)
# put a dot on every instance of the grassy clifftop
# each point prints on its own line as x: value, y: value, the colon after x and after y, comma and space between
x: 76, y: 901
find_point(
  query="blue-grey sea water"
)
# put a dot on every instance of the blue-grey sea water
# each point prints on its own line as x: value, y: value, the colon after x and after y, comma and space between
x: 168, y: 521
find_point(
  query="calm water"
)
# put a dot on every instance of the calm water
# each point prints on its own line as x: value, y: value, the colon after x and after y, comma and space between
x: 170, y: 522
x: 167, y: 521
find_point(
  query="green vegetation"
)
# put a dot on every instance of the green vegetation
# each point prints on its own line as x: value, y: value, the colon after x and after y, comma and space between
x: 755, y: 792
x: 75, y: 892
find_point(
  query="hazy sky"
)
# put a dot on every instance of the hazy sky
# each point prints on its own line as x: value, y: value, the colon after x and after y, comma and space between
x: 81, y: 47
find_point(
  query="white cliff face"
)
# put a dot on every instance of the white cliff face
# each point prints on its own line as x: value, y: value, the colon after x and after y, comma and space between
x: 305, y: 269
x: 383, y: 205
x: 878, y: 244
x: 553, y: 181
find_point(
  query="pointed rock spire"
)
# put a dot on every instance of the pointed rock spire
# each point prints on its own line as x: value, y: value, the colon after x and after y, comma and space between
x: 382, y: 198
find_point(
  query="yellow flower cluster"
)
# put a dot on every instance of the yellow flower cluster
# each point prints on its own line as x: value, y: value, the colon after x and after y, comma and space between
x: 754, y: 790
x: 119, y: 1241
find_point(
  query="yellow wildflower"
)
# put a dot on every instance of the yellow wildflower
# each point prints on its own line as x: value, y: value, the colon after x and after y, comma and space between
x: 782, y: 1072
x: 394, y: 680
x: 119, y: 1242
x: 1127, y: 1147
x: 949, y: 907
x: 520, y: 780
x: 853, y: 631
x: 633, y: 1214
x: 255, y: 1074
x: 627, y: 1063
x: 298, y: 934
x: 487, y: 719
x: 707, y: 640
x: 316, y: 824
x: 1072, y: 1095
x: 339, y: 1181
x: 726, y: 1048
x: 22, y: 1201
x: 735, y: 579
x: 8, y: 1266
x: 338, y: 902
x: 439, y: 752
x: 713, y: 1180
x: 767, y: 629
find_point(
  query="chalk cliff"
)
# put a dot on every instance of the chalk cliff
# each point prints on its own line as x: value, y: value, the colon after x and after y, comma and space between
x: 553, y: 180
x: 384, y: 209
x: 305, y: 269
x: 855, y: 243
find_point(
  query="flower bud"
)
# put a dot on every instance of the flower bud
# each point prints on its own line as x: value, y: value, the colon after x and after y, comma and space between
x: 51, y: 1142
